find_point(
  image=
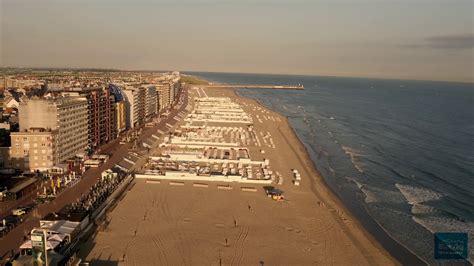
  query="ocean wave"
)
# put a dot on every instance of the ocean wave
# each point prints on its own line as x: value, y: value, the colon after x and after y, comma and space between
x: 443, y: 224
x: 418, y: 209
x: 376, y: 194
x: 333, y: 172
x: 359, y: 184
x: 353, y: 153
x: 416, y: 195
x: 370, y: 197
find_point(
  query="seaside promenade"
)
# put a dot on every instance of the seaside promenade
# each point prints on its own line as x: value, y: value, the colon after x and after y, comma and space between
x: 118, y: 151
x: 167, y: 222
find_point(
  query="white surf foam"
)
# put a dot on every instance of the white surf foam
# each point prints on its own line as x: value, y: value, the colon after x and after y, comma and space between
x: 375, y: 194
x: 415, y: 195
x: 426, y: 215
x: 353, y: 153
x: 444, y: 224
x: 422, y: 209
x: 370, y: 197
x: 359, y: 184
x: 333, y: 172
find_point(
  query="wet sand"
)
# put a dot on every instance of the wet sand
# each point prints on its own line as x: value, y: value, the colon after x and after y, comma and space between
x: 162, y: 224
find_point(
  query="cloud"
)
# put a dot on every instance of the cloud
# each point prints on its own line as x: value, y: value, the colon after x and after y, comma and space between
x: 445, y: 42
x: 465, y: 41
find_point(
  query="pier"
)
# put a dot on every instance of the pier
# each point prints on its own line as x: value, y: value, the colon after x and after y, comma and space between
x: 254, y: 86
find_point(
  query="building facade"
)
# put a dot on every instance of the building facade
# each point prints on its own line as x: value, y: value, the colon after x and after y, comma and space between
x: 36, y: 149
x: 151, y: 105
x: 163, y: 91
x: 102, y: 128
x: 134, y: 105
x: 101, y: 113
x: 120, y: 117
x: 51, y: 131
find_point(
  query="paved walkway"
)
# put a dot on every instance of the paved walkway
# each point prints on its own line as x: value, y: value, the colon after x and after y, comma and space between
x: 15, y: 238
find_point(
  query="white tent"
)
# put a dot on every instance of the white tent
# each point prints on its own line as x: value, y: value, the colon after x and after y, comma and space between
x: 49, y: 245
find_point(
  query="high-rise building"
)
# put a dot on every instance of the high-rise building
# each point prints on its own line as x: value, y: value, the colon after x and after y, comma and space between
x: 151, y: 106
x: 120, y: 108
x: 36, y: 149
x: 120, y: 117
x: 176, y: 85
x: 134, y: 105
x: 51, y: 131
x: 163, y: 91
x: 101, y: 113
x: 101, y: 116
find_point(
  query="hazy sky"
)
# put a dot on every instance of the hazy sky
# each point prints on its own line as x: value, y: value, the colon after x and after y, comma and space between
x: 420, y: 39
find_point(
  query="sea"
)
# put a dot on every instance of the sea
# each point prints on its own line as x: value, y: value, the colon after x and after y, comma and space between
x: 398, y: 153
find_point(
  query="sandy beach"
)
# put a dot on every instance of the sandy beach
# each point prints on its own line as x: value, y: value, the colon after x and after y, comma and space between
x: 164, y: 224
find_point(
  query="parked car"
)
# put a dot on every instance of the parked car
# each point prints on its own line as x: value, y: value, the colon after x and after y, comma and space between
x: 19, y: 211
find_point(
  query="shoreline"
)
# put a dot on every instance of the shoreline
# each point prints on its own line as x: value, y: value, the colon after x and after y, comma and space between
x: 326, y: 194
x: 371, y: 228
x: 311, y: 226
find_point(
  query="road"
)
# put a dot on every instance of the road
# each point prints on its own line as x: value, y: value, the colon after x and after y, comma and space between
x: 118, y: 151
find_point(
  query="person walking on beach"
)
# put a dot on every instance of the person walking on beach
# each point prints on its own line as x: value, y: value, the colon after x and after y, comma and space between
x: 235, y: 223
x: 250, y: 207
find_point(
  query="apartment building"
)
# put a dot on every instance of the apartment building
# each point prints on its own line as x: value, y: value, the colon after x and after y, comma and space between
x: 163, y: 91
x: 102, y: 128
x: 134, y: 105
x: 151, y: 104
x: 120, y: 117
x: 36, y: 149
x: 120, y: 108
x: 51, y: 131
x: 101, y: 113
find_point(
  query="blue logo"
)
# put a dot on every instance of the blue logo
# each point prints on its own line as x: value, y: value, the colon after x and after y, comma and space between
x: 450, y: 246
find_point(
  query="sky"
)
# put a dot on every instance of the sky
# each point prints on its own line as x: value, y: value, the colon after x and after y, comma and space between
x: 408, y: 39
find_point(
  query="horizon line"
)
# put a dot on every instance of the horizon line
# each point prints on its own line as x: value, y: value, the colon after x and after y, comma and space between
x: 247, y: 73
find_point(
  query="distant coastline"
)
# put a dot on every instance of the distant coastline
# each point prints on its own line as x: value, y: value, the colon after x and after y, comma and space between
x: 193, y: 73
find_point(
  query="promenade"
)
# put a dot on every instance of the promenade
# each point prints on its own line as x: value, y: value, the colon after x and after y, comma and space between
x: 118, y: 151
